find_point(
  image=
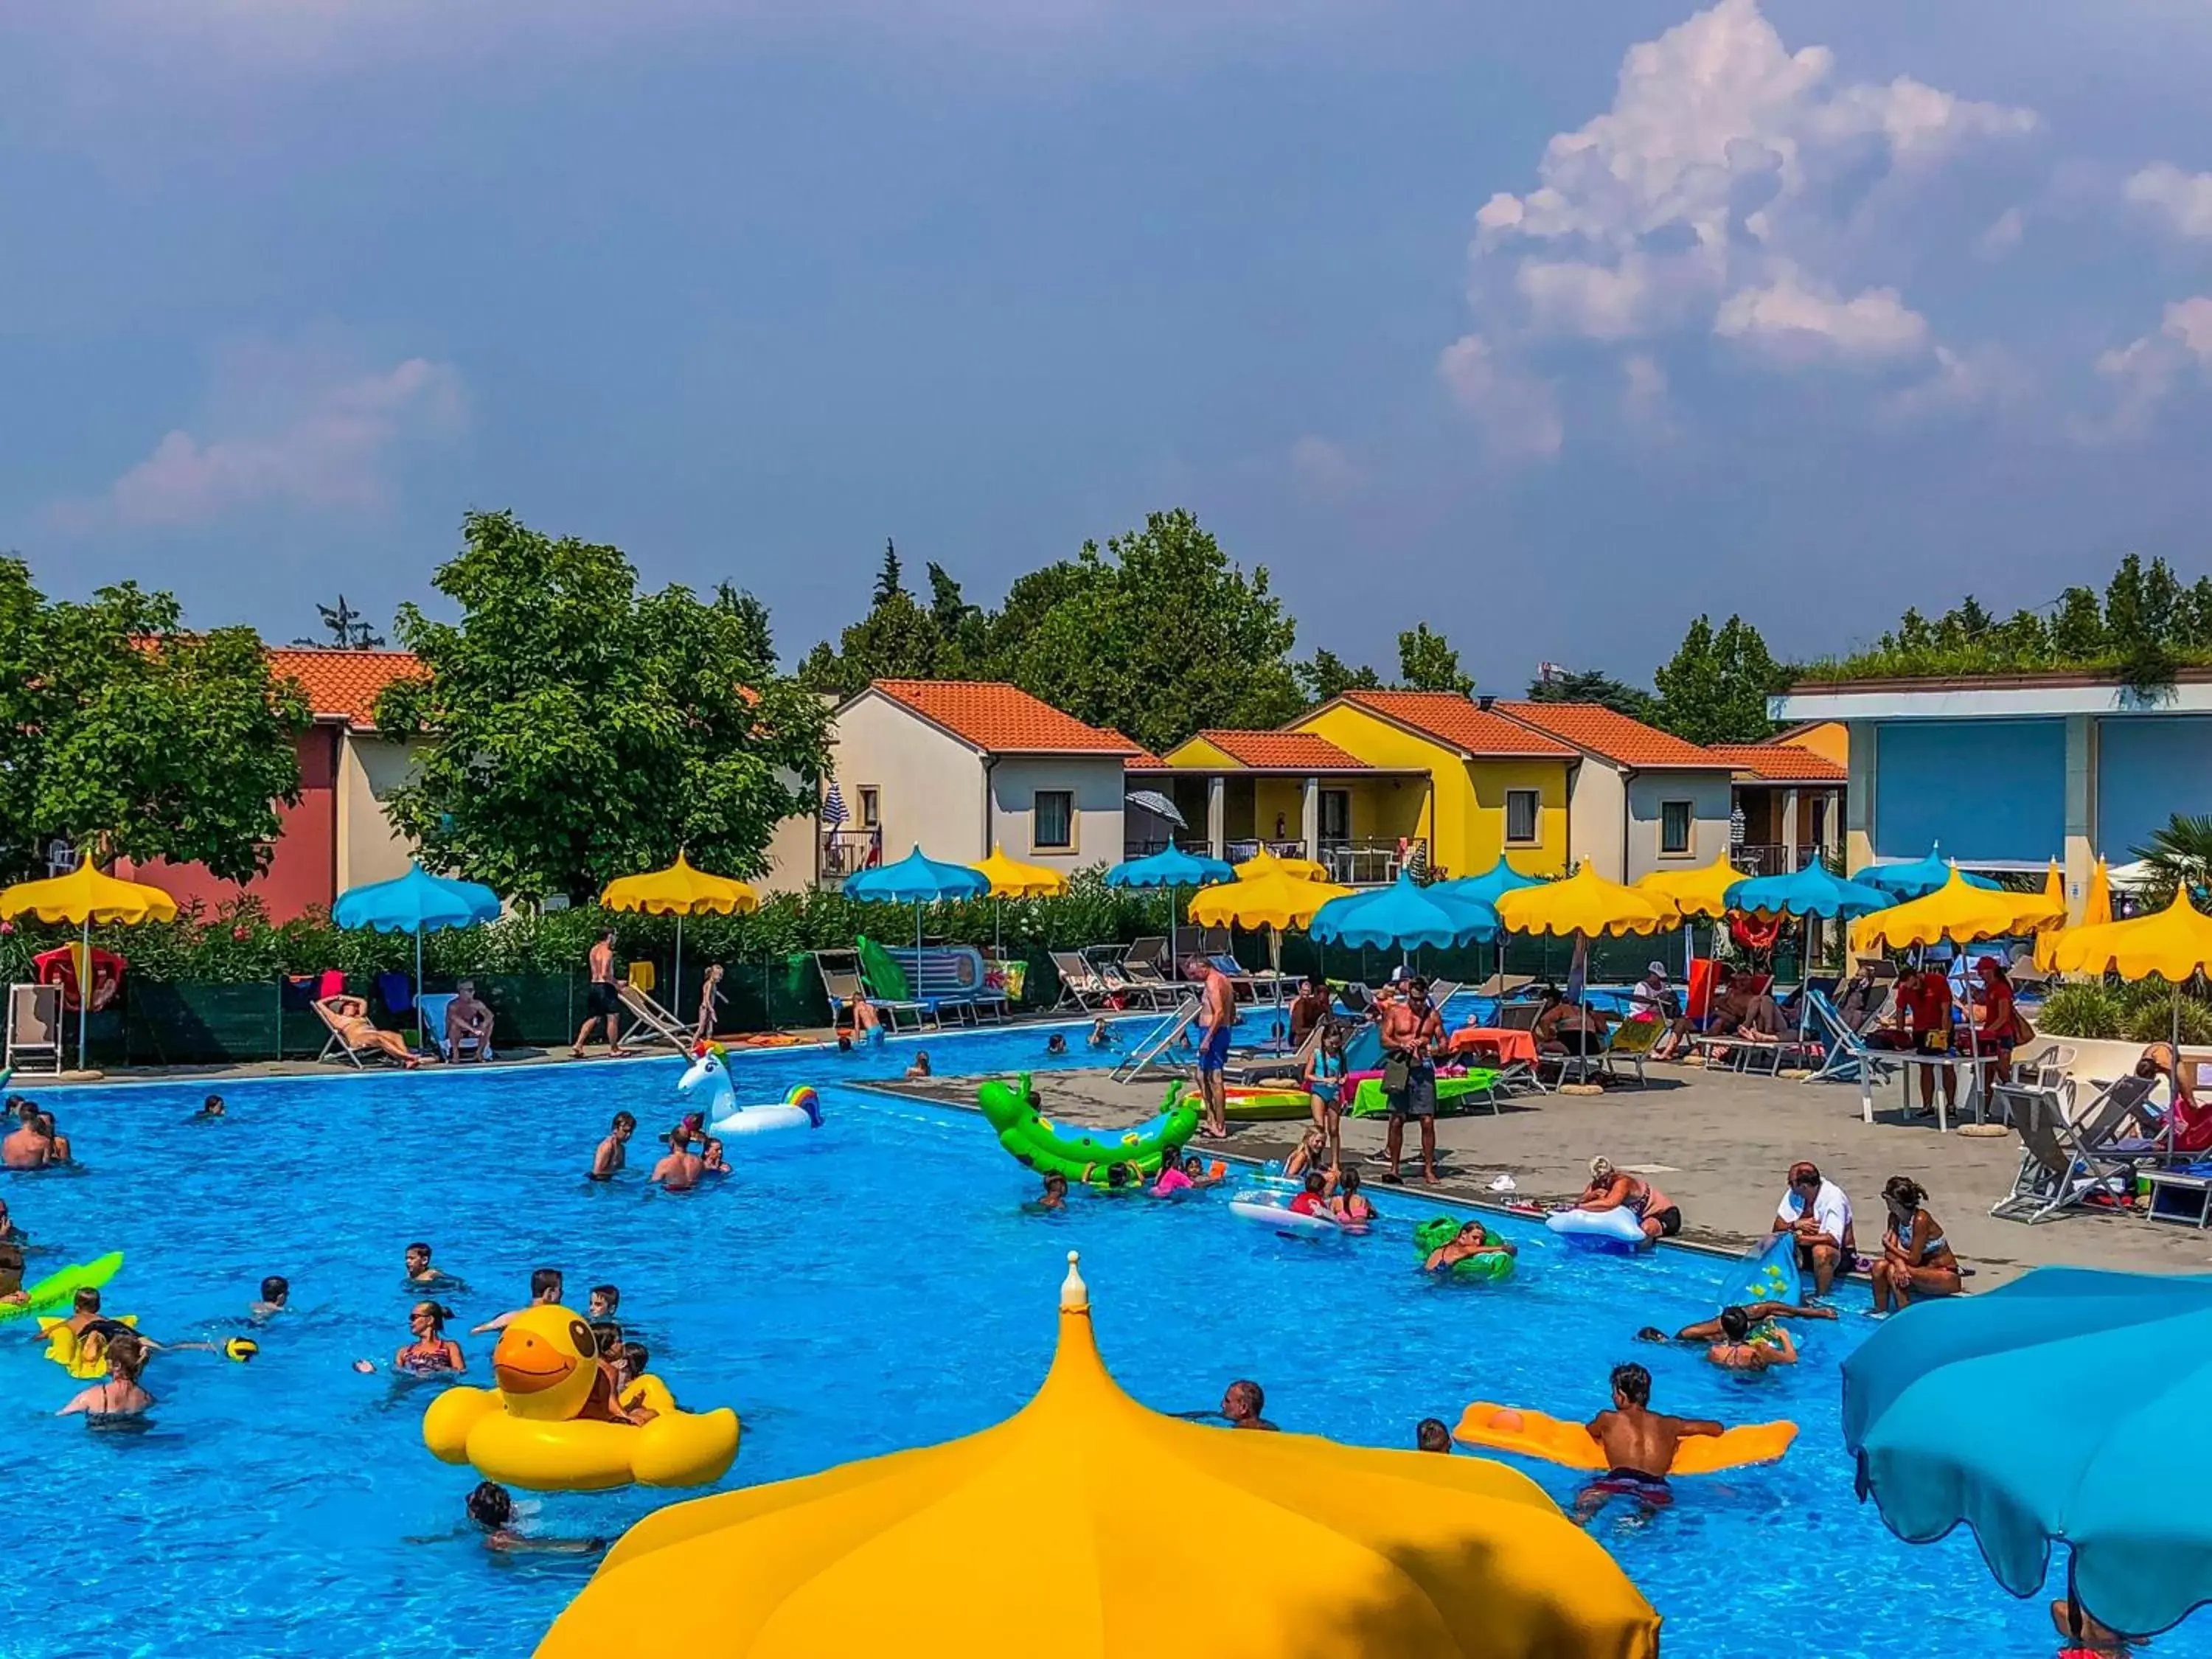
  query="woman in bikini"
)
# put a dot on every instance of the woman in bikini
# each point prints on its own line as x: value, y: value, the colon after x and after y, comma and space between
x: 1915, y: 1260
x: 119, y: 1397
x: 431, y: 1352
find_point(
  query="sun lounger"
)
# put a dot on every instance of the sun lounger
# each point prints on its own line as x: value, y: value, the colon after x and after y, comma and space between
x: 1498, y: 986
x: 2057, y: 1171
x: 1079, y: 982
x: 1262, y: 1068
x: 1631, y: 1041
x: 34, y: 1027
x: 953, y: 977
x: 338, y: 1046
x: 649, y: 1023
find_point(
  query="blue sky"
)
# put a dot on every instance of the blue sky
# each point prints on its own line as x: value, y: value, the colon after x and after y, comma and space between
x: 1551, y: 325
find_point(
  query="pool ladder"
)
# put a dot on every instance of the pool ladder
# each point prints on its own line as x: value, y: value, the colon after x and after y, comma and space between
x: 1145, y: 1056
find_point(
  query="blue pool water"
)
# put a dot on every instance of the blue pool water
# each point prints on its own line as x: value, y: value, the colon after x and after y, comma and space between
x: 877, y: 1284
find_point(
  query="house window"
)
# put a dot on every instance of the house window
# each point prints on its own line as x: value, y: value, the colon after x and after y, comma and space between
x: 1336, y: 815
x: 1521, y: 806
x: 1052, y: 821
x: 871, y: 811
x: 1675, y: 819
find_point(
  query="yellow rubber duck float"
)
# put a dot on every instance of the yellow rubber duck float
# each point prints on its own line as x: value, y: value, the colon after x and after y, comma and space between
x: 82, y: 1355
x: 525, y: 1433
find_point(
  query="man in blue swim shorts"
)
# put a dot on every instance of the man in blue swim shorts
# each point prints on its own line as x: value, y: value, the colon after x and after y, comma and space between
x: 1217, y: 1019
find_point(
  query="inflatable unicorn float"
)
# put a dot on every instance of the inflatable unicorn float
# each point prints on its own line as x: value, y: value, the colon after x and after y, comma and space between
x: 710, y: 1076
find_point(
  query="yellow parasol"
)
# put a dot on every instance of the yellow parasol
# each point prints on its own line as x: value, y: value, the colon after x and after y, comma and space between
x: 1693, y: 892
x: 1587, y: 903
x: 1011, y: 878
x: 1275, y: 899
x: 86, y: 896
x: 2172, y: 943
x: 2097, y: 904
x: 1045, y: 1534
x: 1957, y: 911
x: 1265, y: 863
x: 679, y: 891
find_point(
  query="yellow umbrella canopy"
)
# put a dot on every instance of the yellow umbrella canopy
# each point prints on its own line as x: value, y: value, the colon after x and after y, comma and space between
x: 1693, y: 892
x: 1011, y: 878
x: 1265, y: 863
x: 679, y: 890
x: 1276, y: 899
x: 2173, y: 944
x: 2097, y: 903
x: 85, y: 895
x: 1956, y: 911
x: 1585, y: 902
x: 950, y: 1550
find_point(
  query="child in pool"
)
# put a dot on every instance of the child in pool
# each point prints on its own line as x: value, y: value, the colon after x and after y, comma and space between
x: 1054, y: 1196
x: 1056, y: 1044
x: 493, y: 1510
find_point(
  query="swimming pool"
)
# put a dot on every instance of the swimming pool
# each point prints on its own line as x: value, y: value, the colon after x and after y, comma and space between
x: 877, y: 1284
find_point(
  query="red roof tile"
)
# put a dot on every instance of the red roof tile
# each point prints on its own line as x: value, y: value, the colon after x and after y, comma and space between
x: 1785, y: 762
x: 1594, y: 728
x: 1457, y: 720
x: 1283, y: 752
x: 343, y: 685
x: 1003, y: 720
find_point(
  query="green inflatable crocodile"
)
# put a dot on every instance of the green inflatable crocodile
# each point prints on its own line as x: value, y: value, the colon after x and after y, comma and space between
x: 1083, y: 1154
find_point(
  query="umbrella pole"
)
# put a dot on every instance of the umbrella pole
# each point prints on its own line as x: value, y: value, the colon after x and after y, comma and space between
x: 676, y: 987
x: 83, y: 988
x: 421, y: 1036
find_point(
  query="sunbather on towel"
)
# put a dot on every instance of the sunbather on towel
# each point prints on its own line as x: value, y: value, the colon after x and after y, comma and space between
x: 349, y: 1018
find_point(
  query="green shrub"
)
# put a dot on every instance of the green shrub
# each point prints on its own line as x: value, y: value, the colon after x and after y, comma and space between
x: 2115, y: 1011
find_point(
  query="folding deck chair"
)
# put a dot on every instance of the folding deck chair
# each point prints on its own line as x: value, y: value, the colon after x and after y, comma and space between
x: 1081, y: 983
x: 647, y: 1018
x: 338, y: 1046
x: 35, y: 1025
x: 2057, y: 1171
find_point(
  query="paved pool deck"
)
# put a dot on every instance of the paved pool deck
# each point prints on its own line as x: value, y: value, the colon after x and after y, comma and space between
x: 1719, y: 1144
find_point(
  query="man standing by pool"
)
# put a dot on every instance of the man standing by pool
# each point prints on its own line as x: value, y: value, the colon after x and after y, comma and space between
x: 1217, y: 1018
x: 602, y: 1000
x: 1411, y: 1031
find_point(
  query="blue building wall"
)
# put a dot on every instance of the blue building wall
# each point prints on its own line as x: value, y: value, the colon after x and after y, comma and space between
x: 1983, y: 789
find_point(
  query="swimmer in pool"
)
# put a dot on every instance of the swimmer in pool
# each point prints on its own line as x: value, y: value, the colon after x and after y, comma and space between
x: 1243, y: 1404
x: 610, y: 1159
x: 1432, y: 1435
x: 1350, y: 1204
x: 1054, y: 1196
x: 678, y: 1172
x: 1200, y: 1175
x: 711, y: 1161
x: 1740, y: 1350
x: 429, y: 1352
x: 1055, y: 1044
x: 1472, y: 1240
x: 605, y: 1300
x: 28, y: 1145
x: 421, y: 1270
x: 1708, y: 1330
x: 1639, y: 1446
x: 119, y: 1397
x: 544, y: 1291
x: 210, y: 1109
x: 493, y: 1510
x: 10, y: 1232
x: 1100, y: 1036
x: 275, y: 1295
x: 920, y: 1066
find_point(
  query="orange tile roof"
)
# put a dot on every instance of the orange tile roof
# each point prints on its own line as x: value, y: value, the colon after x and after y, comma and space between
x: 1003, y: 720
x: 1457, y: 720
x: 1285, y: 752
x: 1785, y: 762
x: 1611, y: 735
x: 343, y: 685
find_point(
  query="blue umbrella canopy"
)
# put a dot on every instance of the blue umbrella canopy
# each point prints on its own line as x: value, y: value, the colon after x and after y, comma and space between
x: 1500, y: 878
x: 1171, y: 868
x: 1815, y: 890
x: 416, y: 902
x: 1917, y: 878
x: 2041, y: 1413
x: 1404, y: 915
x: 918, y: 880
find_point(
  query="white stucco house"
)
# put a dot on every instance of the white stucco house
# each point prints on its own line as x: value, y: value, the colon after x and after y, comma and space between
x: 957, y: 767
x: 1640, y: 799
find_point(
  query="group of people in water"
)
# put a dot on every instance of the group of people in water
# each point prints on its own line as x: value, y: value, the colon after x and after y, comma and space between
x: 690, y: 1157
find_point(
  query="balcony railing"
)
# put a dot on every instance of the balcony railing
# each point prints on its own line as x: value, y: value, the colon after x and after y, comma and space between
x: 1373, y: 861
x: 846, y: 852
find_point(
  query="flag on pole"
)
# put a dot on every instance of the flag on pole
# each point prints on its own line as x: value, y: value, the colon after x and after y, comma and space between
x: 833, y: 806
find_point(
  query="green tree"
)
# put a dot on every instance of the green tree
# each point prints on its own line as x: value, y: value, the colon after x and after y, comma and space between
x: 890, y: 579
x: 2077, y: 627
x: 1591, y: 686
x: 129, y: 737
x: 2140, y: 606
x: 574, y: 730
x: 1716, y: 687
x: 1325, y: 675
x: 1159, y: 634
x: 1427, y: 662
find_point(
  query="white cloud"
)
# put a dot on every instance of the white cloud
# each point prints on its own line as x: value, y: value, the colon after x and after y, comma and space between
x: 2182, y: 200
x: 1520, y: 415
x: 1964, y: 383
x: 1324, y: 466
x: 2004, y: 232
x: 1723, y: 194
x: 2146, y: 371
x: 286, y: 433
x: 1794, y: 319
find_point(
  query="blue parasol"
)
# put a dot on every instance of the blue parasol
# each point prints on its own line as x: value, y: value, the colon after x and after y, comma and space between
x: 1917, y: 878
x: 417, y: 903
x: 1405, y: 915
x: 2083, y: 1385
x: 918, y: 880
x: 1815, y: 890
x: 1172, y: 867
x: 1484, y: 889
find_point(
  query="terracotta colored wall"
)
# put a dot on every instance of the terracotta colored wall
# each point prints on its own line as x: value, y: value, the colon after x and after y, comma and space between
x: 301, y: 874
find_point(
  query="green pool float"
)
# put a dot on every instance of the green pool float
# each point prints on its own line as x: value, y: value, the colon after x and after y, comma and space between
x: 56, y: 1288
x: 1491, y: 1269
x: 1083, y: 1154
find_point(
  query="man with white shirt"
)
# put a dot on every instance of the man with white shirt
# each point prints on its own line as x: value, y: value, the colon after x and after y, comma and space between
x: 1817, y: 1211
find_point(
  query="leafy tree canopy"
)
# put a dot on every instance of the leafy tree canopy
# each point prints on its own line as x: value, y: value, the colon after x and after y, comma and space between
x: 125, y: 736
x: 1590, y: 685
x: 1716, y: 687
x: 1325, y: 675
x: 576, y: 729
x: 1427, y: 662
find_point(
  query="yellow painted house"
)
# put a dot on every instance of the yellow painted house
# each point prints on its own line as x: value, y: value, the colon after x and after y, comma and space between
x: 1496, y: 787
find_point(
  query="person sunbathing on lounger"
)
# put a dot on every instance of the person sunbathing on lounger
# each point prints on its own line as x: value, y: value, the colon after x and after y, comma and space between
x: 349, y: 1019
